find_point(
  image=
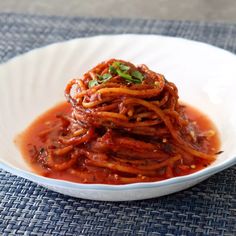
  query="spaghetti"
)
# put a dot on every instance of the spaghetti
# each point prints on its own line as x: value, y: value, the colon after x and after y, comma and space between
x: 124, y: 125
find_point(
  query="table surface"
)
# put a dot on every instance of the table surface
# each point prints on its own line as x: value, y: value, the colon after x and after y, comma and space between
x: 27, y: 209
x: 205, y: 10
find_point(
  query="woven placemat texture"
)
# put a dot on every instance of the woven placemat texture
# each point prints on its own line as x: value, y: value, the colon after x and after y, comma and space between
x: 28, y: 209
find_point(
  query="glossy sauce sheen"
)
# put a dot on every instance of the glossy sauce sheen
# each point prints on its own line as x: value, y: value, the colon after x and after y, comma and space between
x: 29, y: 141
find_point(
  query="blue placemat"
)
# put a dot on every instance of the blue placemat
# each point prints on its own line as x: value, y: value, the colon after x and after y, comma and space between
x: 28, y: 209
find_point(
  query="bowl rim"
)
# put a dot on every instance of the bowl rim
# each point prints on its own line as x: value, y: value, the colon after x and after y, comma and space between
x: 74, y: 40
x: 206, y: 172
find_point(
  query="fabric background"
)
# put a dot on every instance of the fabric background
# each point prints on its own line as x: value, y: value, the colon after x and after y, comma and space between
x: 208, y: 208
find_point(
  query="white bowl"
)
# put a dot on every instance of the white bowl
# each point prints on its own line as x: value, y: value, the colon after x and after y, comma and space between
x: 35, y: 81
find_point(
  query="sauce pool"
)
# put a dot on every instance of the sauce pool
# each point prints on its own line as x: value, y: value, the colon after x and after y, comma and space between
x: 32, y: 140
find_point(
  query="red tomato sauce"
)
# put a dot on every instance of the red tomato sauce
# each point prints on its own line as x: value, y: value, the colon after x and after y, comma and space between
x: 46, y: 127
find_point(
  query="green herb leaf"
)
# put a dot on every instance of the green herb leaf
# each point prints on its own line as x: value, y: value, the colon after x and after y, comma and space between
x: 92, y: 83
x: 122, y: 70
x: 124, y: 75
x: 112, y: 69
x: 121, y: 66
x: 116, y: 64
x: 106, y: 76
x: 136, y: 74
x: 124, y: 67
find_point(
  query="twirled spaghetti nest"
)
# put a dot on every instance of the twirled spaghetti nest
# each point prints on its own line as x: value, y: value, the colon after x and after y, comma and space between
x: 127, y: 123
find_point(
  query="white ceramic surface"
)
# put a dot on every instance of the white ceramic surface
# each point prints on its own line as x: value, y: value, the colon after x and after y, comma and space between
x: 35, y: 81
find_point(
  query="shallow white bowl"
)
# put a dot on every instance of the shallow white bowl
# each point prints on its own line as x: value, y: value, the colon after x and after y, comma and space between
x: 35, y: 81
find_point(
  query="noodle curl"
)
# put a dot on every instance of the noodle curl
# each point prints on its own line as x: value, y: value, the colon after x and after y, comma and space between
x: 127, y: 123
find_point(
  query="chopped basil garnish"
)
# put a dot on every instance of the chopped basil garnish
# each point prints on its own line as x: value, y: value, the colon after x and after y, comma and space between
x: 136, y: 74
x: 101, y: 79
x: 116, y: 64
x: 124, y: 75
x: 92, y: 83
x: 124, y: 71
x: 124, y: 67
x: 118, y: 68
x: 105, y: 77
x: 128, y: 77
x: 112, y: 69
